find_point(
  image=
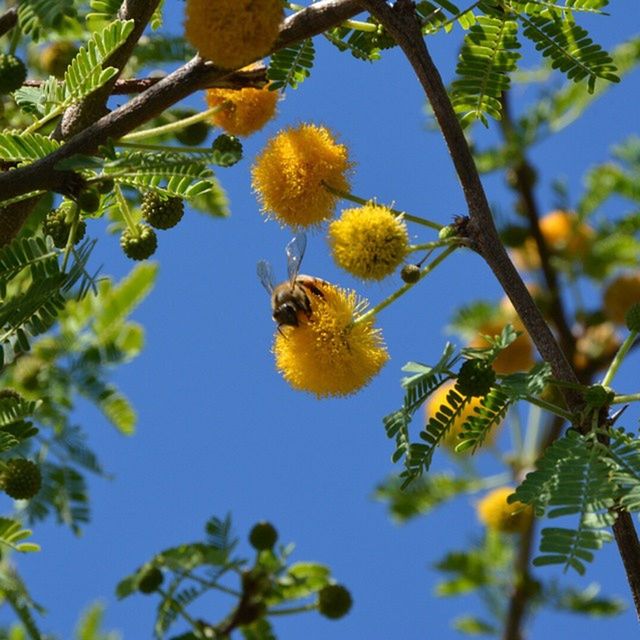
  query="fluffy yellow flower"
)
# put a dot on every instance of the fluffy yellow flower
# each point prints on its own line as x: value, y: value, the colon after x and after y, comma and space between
x: 329, y: 354
x: 243, y: 111
x: 563, y: 234
x: 289, y: 173
x: 438, y: 398
x: 369, y: 241
x: 496, y: 513
x: 620, y: 295
x: 232, y: 33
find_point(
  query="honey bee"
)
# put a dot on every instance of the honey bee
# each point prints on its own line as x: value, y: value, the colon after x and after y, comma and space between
x: 290, y: 298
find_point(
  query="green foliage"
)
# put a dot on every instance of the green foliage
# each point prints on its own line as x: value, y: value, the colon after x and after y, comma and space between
x: 291, y: 66
x: 25, y: 147
x: 417, y: 387
x: 90, y: 625
x: 364, y: 41
x: 571, y: 478
x: 569, y: 48
x: 193, y: 570
x: 85, y: 73
x: 491, y: 412
x: 423, y: 494
x: 12, y: 535
x: 587, y: 601
x: 487, y: 58
x: 37, y: 17
x: 434, y: 18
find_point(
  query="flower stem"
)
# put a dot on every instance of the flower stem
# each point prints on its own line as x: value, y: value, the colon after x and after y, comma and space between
x: 172, y: 126
x: 402, y: 290
x: 124, y: 209
x: 345, y: 195
x: 623, y: 399
x: 619, y: 357
x: 163, y: 147
x: 71, y: 238
x: 427, y: 246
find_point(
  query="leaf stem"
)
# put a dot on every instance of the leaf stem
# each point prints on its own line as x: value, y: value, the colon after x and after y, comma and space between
x: 402, y: 290
x: 623, y: 399
x: 618, y: 358
x: 124, y: 209
x: 171, y: 126
x: 291, y: 610
x: 549, y: 406
x: 345, y: 195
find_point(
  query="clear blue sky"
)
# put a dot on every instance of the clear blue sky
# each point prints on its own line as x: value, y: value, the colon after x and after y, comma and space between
x: 219, y: 431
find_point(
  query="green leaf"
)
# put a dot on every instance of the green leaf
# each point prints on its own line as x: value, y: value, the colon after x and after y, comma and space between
x: 302, y: 580
x: 422, y: 495
x: 487, y: 57
x: 39, y: 17
x: 291, y: 65
x: 570, y: 49
x: 25, y: 147
x: 85, y: 73
x: 473, y: 626
x: 12, y: 534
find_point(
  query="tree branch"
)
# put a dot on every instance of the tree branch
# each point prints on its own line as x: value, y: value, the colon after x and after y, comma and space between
x: 193, y: 76
x: 8, y: 20
x: 401, y: 23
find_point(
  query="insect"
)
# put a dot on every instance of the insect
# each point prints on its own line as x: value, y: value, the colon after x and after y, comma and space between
x: 291, y: 297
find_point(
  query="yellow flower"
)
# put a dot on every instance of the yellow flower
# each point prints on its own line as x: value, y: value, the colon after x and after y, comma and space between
x: 438, y: 398
x: 496, y: 513
x: 563, y: 234
x: 232, y: 33
x: 329, y: 354
x: 243, y: 111
x: 288, y: 175
x: 620, y: 295
x: 369, y: 241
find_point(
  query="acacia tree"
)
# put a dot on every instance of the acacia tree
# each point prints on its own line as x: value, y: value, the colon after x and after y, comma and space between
x: 63, y: 328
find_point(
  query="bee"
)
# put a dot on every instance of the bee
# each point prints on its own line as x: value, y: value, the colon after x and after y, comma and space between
x: 290, y: 298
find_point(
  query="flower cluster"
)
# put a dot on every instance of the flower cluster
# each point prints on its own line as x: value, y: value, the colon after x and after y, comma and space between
x: 232, y: 33
x: 290, y: 173
x: 331, y: 353
x: 242, y: 111
x: 369, y: 241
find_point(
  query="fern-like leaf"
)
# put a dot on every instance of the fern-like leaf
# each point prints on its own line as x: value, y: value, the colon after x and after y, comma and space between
x: 624, y: 452
x: 571, y: 478
x: 570, y: 49
x: 12, y: 534
x: 85, y: 73
x: 491, y: 412
x: 25, y: 147
x: 291, y: 66
x: 37, y: 17
x: 487, y: 57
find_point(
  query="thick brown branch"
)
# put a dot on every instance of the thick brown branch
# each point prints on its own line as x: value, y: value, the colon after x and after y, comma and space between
x: 401, y: 22
x: 8, y: 20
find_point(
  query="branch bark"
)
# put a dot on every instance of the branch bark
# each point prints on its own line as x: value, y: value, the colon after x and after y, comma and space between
x: 401, y: 23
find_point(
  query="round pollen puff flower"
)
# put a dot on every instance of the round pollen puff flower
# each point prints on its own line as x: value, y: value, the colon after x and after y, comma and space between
x: 232, y: 33
x: 496, y: 513
x: 242, y: 111
x: 563, y: 234
x: 330, y: 353
x: 620, y: 295
x: 289, y: 173
x: 369, y: 241
x: 451, y: 438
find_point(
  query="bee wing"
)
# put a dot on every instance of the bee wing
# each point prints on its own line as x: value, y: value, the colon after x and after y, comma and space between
x: 265, y: 273
x: 295, y: 252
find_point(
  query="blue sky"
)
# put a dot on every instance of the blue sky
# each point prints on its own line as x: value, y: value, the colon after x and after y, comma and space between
x: 219, y: 431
